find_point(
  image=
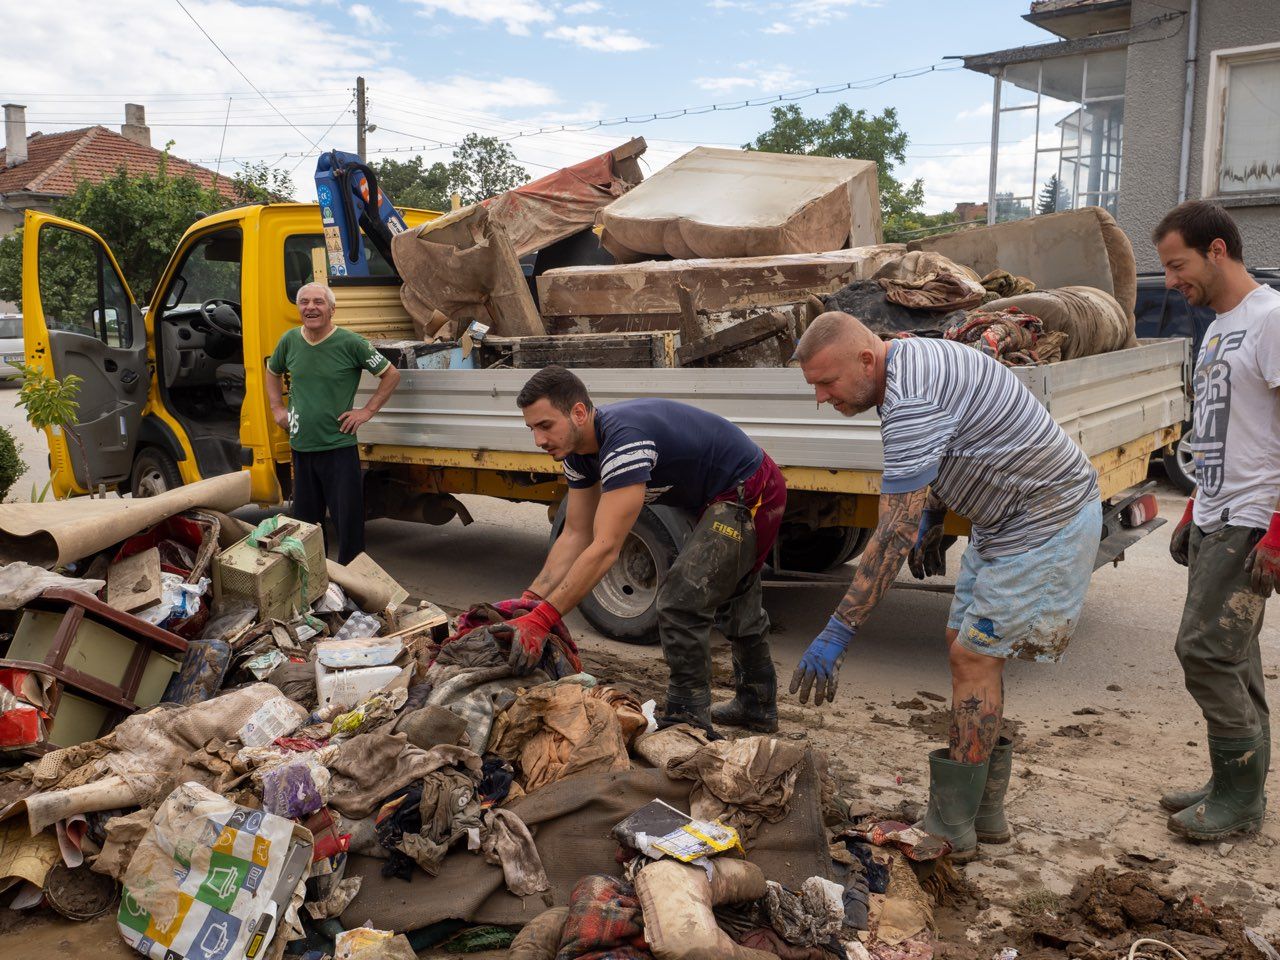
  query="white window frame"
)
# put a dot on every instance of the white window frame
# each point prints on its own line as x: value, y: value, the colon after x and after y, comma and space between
x: 1220, y: 64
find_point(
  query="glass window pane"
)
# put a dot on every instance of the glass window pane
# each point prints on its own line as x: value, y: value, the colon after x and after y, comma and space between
x: 1019, y: 86
x: 297, y: 261
x: 210, y: 271
x: 1105, y: 75
x: 1251, y: 134
x: 116, y: 321
x: 68, y: 271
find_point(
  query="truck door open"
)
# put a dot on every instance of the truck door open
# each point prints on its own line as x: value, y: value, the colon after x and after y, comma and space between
x: 80, y: 318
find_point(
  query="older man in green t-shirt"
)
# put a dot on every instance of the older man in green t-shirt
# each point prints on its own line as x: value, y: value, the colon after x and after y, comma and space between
x: 323, y: 363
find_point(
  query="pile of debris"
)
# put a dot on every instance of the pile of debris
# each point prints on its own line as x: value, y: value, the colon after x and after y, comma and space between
x: 1109, y: 910
x: 712, y: 262
x: 246, y: 750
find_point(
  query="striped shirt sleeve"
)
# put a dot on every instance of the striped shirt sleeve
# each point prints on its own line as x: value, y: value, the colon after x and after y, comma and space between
x: 627, y: 463
x: 578, y: 473
x: 916, y: 435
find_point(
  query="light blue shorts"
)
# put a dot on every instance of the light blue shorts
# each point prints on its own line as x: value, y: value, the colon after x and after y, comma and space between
x: 1027, y: 605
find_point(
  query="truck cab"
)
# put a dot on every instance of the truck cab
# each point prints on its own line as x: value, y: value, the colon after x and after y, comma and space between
x: 172, y: 393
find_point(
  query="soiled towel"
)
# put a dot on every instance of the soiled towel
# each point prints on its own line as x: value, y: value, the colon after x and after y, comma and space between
x: 742, y: 782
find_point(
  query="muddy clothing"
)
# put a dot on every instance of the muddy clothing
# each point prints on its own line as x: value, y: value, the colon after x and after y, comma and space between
x: 331, y: 480
x: 1028, y: 606
x: 322, y: 384
x: 1218, y: 639
x: 716, y: 581
x: 958, y: 421
x: 684, y: 456
x: 1236, y: 432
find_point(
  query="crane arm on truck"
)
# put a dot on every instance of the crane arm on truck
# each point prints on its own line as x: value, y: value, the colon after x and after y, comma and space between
x: 350, y: 201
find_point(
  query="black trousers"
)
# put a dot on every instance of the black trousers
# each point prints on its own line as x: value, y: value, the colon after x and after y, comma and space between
x: 331, y: 479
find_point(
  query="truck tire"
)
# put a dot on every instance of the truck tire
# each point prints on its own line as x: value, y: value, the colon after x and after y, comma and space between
x: 808, y: 550
x: 624, y: 604
x: 154, y: 472
x: 1180, y: 463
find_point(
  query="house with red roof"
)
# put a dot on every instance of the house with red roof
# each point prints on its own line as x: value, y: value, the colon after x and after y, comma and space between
x: 37, y: 170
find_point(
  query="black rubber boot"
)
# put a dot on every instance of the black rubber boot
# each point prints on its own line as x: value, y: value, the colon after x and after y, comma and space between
x: 1237, y: 802
x: 684, y: 706
x: 1176, y: 801
x: 755, y: 704
x: 955, y: 793
x: 990, y: 825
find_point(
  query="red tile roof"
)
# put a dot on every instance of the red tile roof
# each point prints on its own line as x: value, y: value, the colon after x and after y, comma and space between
x: 56, y: 162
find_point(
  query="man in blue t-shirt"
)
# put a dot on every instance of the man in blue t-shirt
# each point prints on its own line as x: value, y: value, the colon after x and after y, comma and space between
x: 616, y: 460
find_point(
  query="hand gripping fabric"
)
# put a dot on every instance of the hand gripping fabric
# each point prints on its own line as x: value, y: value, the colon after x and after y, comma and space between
x: 531, y: 631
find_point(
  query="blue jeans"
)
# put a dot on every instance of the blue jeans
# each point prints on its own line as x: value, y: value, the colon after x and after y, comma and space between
x: 1027, y: 605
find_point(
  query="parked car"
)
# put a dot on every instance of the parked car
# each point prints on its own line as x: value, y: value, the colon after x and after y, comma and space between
x: 1161, y: 312
x: 11, y: 348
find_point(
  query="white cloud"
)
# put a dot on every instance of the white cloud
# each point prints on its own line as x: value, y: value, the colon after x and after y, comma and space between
x: 752, y: 78
x: 725, y: 4
x: 815, y: 13
x: 582, y: 9
x: 778, y: 27
x: 602, y: 39
x: 518, y: 16
x: 367, y: 18
x: 981, y: 112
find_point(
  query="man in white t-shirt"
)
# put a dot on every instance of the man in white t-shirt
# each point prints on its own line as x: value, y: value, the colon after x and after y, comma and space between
x: 1229, y: 536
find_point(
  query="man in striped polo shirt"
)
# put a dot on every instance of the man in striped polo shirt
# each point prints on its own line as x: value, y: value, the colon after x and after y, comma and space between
x: 960, y: 431
x: 623, y: 456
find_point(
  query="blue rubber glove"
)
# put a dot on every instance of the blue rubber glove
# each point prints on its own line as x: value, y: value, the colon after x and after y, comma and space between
x: 820, y: 664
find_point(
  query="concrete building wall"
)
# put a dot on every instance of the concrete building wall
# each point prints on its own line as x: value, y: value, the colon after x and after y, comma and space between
x: 1154, y: 90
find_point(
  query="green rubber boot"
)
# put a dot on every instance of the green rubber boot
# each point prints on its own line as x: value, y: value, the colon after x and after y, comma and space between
x: 1178, y: 800
x: 1236, y: 803
x: 955, y: 792
x: 990, y: 824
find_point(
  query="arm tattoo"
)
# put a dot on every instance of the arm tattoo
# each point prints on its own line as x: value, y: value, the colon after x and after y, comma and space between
x: 894, y: 536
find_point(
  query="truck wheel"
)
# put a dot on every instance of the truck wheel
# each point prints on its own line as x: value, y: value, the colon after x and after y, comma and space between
x: 807, y: 550
x: 1180, y: 463
x: 154, y: 472
x: 624, y: 604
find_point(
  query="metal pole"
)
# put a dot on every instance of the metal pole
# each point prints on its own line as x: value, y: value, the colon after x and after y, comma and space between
x: 1188, y: 102
x: 361, y: 126
x: 995, y: 148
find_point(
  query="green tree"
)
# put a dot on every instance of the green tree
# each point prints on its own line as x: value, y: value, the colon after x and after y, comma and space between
x: 411, y: 183
x: 1053, y: 196
x: 12, y: 465
x: 856, y: 135
x: 1007, y: 208
x: 52, y: 403
x: 142, y: 217
x: 483, y: 167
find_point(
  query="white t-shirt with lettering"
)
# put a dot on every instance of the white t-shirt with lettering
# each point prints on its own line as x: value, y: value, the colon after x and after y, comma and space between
x: 1236, y: 434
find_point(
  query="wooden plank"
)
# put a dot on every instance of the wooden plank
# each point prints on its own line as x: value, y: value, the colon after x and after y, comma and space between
x: 134, y: 582
x: 740, y: 335
x: 642, y: 349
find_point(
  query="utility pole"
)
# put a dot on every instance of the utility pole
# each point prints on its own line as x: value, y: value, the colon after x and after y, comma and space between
x: 361, y: 126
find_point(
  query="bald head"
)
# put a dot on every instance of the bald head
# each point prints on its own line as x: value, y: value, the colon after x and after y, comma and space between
x: 843, y: 361
x: 834, y: 329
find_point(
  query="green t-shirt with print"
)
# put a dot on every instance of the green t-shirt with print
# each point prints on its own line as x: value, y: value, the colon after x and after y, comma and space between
x: 322, y: 384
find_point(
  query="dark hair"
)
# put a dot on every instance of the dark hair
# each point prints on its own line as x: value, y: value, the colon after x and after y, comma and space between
x: 555, y: 383
x: 1200, y: 222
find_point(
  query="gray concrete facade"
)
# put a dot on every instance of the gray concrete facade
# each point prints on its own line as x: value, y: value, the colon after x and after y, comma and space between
x: 1154, y: 90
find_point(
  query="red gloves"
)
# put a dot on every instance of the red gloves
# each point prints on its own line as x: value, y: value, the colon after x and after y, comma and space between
x: 1263, y: 563
x: 530, y: 636
x: 1181, y: 540
x: 530, y: 595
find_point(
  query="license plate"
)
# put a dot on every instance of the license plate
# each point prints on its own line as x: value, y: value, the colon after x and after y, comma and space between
x: 15, y: 358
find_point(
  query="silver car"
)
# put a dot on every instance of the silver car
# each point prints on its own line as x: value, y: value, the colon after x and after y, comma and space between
x: 11, y: 346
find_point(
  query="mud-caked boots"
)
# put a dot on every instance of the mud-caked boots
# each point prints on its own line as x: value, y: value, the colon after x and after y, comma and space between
x: 755, y: 702
x: 1236, y: 802
x: 990, y: 824
x: 1177, y: 800
x: 955, y: 794
x: 688, y: 706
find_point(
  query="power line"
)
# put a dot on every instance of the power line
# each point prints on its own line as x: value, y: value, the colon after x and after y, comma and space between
x: 243, y: 76
x: 318, y: 149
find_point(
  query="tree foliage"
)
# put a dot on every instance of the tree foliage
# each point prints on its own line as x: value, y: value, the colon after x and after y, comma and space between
x: 142, y: 218
x: 412, y: 183
x: 12, y: 466
x: 1053, y: 196
x: 483, y: 167
x: 857, y: 135
x: 52, y: 403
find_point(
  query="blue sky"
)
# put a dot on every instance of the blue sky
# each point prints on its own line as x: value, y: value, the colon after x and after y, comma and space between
x: 438, y: 69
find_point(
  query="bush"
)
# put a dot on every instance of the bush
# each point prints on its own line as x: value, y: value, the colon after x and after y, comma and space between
x: 11, y: 463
